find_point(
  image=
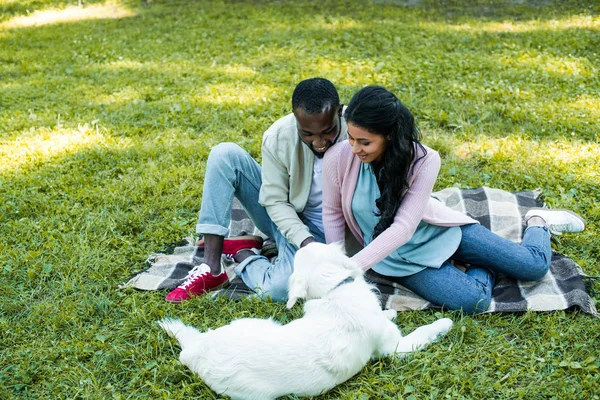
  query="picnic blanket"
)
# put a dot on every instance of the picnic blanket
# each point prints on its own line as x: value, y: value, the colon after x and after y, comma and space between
x: 564, y: 286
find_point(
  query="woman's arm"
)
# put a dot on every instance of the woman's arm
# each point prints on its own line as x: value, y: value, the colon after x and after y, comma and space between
x: 333, y: 217
x: 408, y: 215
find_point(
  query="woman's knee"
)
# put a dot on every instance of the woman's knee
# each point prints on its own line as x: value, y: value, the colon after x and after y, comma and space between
x: 533, y: 269
x: 471, y: 302
x: 476, y: 305
x: 533, y: 272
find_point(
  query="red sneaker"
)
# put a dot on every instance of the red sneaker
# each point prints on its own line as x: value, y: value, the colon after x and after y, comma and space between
x: 198, y: 281
x: 232, y: 245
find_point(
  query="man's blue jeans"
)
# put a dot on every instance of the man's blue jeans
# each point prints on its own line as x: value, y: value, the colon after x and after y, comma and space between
x: 231, y: 171
x: 488, y: 254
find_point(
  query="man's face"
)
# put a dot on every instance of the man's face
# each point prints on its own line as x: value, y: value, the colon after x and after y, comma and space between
x: 319, y: 131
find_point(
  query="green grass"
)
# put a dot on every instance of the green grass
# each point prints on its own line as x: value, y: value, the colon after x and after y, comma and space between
x: 106, y: 124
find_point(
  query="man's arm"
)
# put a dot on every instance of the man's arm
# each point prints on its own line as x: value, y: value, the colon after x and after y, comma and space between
x: 274, y: 196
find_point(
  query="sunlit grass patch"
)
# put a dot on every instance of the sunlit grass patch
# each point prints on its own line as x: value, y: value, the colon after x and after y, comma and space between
x: 106, y: 125
x: 589, y: 107
x: 568, y: 66
x: 38, y: 146
x: 560, y: 153
x: 580, y: 21
x: 239, y: 94
x: 517, y: 158
x: 238, y: 71
x: 109, y: 10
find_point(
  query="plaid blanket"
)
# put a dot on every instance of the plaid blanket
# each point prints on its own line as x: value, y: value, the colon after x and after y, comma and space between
x: 563, y: 287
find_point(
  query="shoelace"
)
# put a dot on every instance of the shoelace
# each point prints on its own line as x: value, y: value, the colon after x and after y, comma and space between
x: 557, y: 229
x: 192, y: 276
x: 231, y: 257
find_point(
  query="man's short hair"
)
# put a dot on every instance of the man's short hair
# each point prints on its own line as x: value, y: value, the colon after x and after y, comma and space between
x: 315, y: 95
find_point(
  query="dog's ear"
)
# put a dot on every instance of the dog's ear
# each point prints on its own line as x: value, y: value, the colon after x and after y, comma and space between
x: 346, y: 262
x: 297, y: 290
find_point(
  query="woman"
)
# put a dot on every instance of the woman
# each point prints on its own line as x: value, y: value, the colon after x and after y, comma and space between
x: 379, y: 183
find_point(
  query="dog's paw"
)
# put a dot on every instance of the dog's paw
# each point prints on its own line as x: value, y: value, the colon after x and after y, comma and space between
x: 390, y: 314
x: 442, y: 326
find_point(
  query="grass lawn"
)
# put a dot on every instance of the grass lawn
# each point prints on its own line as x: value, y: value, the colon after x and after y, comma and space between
x: 107, y: 115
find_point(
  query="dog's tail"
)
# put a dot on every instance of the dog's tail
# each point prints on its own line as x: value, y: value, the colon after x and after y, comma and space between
x: 185, y: 334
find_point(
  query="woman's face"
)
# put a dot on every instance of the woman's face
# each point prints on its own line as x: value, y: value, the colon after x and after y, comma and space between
x: 368, y: 146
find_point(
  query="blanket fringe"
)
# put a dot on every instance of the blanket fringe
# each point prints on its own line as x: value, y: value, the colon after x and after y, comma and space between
x: 589, y: 286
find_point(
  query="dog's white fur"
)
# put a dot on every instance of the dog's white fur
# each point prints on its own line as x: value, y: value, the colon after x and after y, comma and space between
x: 342, y: 328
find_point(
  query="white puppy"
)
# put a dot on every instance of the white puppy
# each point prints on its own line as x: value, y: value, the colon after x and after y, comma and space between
x: 342, y: 328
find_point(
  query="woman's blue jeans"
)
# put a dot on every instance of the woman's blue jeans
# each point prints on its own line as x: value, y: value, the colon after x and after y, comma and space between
x: 487, y: 253
x: 231, y: 171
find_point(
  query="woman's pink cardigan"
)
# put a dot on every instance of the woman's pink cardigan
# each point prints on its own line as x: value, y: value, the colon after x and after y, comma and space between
x: 340, y: 173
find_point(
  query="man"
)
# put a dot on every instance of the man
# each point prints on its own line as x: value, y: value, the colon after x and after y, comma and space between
x: 283, y: 199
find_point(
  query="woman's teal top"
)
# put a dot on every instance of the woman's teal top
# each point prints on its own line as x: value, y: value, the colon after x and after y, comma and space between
x: 430, y: 246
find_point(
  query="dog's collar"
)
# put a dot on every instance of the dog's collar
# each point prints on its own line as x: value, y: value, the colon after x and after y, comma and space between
x: 347, y: 280
x: 350, y: 279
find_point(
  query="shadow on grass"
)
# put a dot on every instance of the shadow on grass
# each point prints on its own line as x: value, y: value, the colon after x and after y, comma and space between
x: 127, y: 196
x: 194, y: 74
x: 516, y: 10
x: 81, y: 208
x: 189, y: 65
x: 87, y: 220
x: 167, y: 84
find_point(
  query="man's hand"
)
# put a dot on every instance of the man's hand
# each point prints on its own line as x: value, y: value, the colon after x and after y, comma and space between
x: 307, y: 241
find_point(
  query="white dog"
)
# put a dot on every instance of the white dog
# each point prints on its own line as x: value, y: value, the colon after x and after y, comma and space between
x: 342, y: 328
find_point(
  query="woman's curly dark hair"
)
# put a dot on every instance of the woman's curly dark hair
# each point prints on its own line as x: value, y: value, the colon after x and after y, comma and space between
x: 379, y: 112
